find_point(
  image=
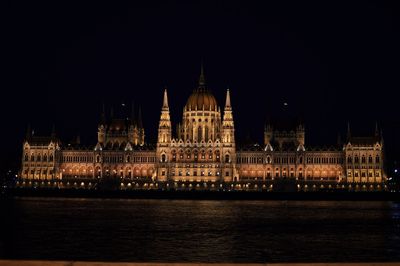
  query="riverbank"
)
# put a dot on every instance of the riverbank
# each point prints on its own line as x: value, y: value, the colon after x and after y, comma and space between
x: 203, y: 195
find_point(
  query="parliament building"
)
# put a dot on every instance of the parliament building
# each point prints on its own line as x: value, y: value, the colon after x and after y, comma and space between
x: 202, y: 153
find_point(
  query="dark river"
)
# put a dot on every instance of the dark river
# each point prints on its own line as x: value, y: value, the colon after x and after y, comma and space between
x: 199, y: 231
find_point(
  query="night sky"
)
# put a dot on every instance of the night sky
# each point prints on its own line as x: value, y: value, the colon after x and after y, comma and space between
x: 331, y: 61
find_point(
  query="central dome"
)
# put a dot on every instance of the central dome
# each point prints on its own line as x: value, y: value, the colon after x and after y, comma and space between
x: 201, y: 97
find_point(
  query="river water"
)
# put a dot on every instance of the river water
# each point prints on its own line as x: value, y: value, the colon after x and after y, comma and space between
x: 199, y: 231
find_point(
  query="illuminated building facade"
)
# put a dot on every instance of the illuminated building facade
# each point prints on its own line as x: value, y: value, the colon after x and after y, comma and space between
x: 202, y: 154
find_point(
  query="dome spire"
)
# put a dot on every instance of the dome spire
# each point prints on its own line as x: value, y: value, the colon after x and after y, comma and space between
x: 202, y: 80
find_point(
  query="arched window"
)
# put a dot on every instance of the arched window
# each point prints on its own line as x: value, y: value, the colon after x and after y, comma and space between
x: 26, y: 157
x: 356, y: 159
x: 370, y: 159
x: 377, y: 159
x: 45, y: 158
x: 199, y: 134
x: 32, y: 158
x: 128, y: 159
x: 268, y: 159
x: 349, y: 160
x: 97, y: 158
x: 227, y: 158
x: 363, y: 159
x: 38, y: 158
x: 301, y: 159
x: 163, y: 158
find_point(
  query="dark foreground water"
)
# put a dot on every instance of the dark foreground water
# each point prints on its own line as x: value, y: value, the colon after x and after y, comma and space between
x: 199, y: 231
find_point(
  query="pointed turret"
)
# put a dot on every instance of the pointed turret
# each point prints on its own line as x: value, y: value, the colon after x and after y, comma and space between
x: 228, y: 123
x: 228, y: 99
x: 165, y: 100
x: 164, y: 128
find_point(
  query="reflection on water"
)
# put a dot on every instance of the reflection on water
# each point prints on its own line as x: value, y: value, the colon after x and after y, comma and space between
x: 200, y: 231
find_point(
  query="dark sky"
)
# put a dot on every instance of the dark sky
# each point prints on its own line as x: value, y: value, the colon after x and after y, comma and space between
x: 331, y: 61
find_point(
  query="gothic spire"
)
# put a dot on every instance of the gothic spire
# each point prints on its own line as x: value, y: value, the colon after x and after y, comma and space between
x: 228, y: 99
x: 165, y: 100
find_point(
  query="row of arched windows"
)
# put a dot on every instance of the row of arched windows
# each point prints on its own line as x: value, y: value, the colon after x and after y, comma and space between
x: 128, y: 159
x: 39, y: 158
x: 195, y: 155
x: 356, y: 159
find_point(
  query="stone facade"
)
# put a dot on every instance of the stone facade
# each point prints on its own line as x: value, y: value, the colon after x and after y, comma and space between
x: 202, y: 150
